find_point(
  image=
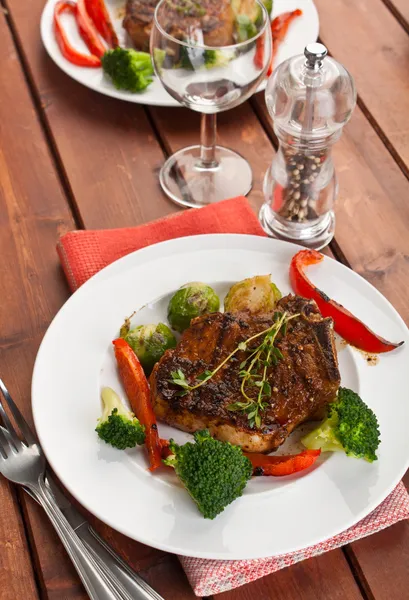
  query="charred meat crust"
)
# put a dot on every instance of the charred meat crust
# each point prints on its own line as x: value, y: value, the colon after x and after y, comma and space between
x: 302, y: 383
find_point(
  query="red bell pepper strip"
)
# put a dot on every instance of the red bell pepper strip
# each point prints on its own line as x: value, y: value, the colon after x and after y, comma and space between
x: 68, y: 51
x: 282, y: 465
x: 102, y: 21
x: 137, y: 389
x: 279, y: 28
x: 259, y: 55
x: 88, y: 31
x: 346, y: 324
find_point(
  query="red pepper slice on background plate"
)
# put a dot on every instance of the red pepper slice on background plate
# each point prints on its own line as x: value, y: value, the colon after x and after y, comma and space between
x: 279, y: 28
x: 102, y: 21
x: 259, y: 55
x: 88, y: 31
x: 282, y: 465
x: 137, y: 389
x: 67, y: 50
x: 354, y: 331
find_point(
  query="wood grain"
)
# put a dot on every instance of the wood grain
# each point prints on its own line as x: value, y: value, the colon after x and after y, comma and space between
x: 401, y: 9
x: 323, y: 579
x: 110, y: 159
x: 375, y: 52
x: 33, y: 213
x: 108, y: 147
x: 238, y: 129
x: 16, y: 572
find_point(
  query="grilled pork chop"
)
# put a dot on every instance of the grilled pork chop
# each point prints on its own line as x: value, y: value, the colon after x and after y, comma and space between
x: 302, y: 383
x: 215, y: 18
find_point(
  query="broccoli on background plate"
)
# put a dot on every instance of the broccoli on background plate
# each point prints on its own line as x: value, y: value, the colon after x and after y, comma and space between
x: 118, y: 426
x: 129, y: 69
x: 351, y: 426
x: 214, y: 473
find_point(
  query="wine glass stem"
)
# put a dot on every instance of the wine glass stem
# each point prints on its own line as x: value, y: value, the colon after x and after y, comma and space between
x: 208, y: 134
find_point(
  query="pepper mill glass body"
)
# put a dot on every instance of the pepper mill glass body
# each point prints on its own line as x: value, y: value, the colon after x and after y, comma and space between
x: 310, y: 98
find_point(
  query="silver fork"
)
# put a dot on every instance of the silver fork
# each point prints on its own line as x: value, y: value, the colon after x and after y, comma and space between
x: 23, y: 462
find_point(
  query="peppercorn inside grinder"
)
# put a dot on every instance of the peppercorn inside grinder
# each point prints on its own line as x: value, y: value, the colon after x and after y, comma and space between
x: 310, y: 98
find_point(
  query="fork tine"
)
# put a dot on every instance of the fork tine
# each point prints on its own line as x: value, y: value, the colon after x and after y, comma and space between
x: 5, y: 446
x: 20, y: 420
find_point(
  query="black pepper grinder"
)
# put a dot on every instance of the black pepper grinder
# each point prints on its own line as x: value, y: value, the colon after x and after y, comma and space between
x: 310, y: 98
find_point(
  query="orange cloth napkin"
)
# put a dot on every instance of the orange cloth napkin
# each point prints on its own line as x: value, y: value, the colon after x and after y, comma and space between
x: 84, y: 253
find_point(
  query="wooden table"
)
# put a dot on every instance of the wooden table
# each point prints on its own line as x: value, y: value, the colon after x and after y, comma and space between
x: 70, y: 158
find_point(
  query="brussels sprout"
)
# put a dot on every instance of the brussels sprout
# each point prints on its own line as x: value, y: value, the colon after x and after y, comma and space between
x: 190, y: 301
x: 149, y: 343
x: 254, y: 295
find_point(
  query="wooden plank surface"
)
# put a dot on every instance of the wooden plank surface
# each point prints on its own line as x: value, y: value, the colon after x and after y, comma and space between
x: 63, y: 101
x: 400, y: 9
x: 33, y: 213
x: 376, y: 53
x: 326, y: 579
x: 110, y: 169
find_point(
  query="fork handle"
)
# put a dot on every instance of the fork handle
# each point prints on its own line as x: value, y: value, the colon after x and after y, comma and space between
x: 97, y: 583
x: 108, y: 559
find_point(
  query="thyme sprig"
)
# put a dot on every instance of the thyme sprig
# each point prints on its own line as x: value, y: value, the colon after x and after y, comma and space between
x: 255, y: 388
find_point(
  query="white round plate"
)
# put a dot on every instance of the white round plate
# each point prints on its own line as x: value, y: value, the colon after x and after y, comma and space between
x: 275, y: 515
x: 302, y: 31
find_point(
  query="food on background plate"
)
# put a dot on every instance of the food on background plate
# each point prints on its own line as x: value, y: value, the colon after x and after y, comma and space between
x: 149, y: 342
x: 213, y: 22
x: 65, y: 46
x: 241, y: 381
x: 100, y: 16
x: 190, y: 301
x: 249, y: 379
x: 118, y: 426
x: 213, y: 18
x: 128, y: 69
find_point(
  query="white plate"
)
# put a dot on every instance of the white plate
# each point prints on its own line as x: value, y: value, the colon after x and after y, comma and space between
x: 275, y: 515
x: 302, y: 31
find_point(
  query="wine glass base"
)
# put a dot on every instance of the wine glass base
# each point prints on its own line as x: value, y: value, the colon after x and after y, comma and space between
x: 315, y: 237
x: 187, y: 182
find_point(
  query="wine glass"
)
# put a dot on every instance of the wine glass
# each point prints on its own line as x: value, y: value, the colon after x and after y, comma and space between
x: 210, y: 56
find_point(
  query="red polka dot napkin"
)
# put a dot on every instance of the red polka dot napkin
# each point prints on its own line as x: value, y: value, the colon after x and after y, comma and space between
x: 84, y: 253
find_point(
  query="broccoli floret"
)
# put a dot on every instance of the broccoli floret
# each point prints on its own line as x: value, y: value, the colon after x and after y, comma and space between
x: 216, y: 58
x: 128, y: 69
x: 350, y: 426
x: 118, y: 426
x: 214, y: 473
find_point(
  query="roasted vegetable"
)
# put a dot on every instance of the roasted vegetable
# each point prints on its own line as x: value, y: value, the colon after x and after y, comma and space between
x: 254, y: 295
x: 195, y: 58
x: 88, y: 31
x: 214, y: 473
x: 129, y: 70
x: 102, y: 21
x: 282, y: 465
x: 137, y: 389
x: 118, y: 426
x: 65, y: 46
x: 351, y: 426
x: 190, y: 301
x: 346, y: 324
x: 150, y: 342
x: 245, y: 28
